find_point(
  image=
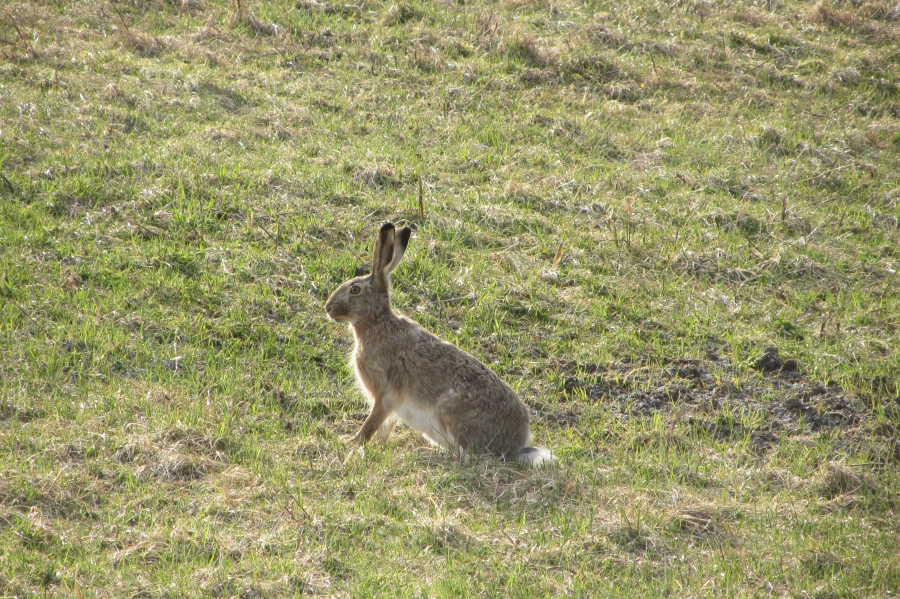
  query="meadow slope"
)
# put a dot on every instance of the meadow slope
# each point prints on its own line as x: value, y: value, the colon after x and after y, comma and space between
x: 672, y: 227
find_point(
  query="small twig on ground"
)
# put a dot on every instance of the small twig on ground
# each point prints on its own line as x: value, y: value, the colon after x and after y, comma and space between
x: 196, y: 231
x: 21, y: 35
x: 121, y: 18
x: 887, y: 286
x: 272, y: 237
x: 559, y: 254
x: 421, y: 200
x: 629, y: 224
x: 286, y: 509
x: 615, y: 232
x: 9, y: 184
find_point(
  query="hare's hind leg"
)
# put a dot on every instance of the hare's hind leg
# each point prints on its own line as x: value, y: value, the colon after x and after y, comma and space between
x: 386, y: 429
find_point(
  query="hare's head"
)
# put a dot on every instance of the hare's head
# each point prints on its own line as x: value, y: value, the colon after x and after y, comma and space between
x: 363, y: 299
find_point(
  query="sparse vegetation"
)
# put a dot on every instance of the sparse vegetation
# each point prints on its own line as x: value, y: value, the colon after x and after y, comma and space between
x: 671, y: 226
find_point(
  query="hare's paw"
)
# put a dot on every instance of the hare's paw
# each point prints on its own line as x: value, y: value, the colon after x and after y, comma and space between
x: 350, y: 440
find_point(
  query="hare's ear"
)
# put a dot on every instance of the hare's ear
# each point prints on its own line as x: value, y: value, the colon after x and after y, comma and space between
x: 402, y: 240
x: 384, y: 253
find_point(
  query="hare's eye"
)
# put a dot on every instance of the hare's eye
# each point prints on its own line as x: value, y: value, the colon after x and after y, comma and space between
x: 354, y: 290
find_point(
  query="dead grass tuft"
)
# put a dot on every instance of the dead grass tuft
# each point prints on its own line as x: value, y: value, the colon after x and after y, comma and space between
x: 709, y: 266
x: 245, y: 17
x: 485, y: 481
x: 839, y: 479
x: 801, y: 266
x: 751, y: 17
x: 127, y: 453
x: 517, y: 190
x: 59, y: 496
x: 517, y: 4
x: 170, y: 465
x: 246, y: 581
x: 186, y: 5
x: 528, y: 49
x: 839, y: 505
x: 608, y: 38
x: 141, y: 44
x: 175, y: 454
x: 859, y: 20
x: 737, y: 221
x: 190, y: 439
x: 658, y: 440
x: 698, y: 520
x: 635, y: 536
x: 441, y: 534
x: 152, y: 547
x: 486, y: 30
x: 532, y: 77
x: 326, y: 8
x: 597, y: 69
x: 401, y: 13
x: 380, y: 176
x: 823, y: 13
x: 228, y: 135
x: 425, y: 59
x: 822, y: 563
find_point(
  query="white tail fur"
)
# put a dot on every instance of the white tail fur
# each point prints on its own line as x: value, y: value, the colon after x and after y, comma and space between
x: 535, y: 456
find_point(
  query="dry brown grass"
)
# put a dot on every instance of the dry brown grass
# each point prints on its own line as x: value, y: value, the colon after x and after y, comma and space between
x: 379, y: 176
x: 524, y: 46
x: 624, y: 210
x: 863, y: 19
x: 752, y: 17
x: 701, y: 521
x: 838, y: 479
x: 244, y: 16
x: 327, y: 8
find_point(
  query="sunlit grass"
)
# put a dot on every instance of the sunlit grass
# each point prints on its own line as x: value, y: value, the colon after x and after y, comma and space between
x: 672, y: 228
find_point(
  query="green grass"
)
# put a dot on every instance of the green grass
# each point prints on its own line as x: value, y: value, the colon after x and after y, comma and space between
x: 184, y: 183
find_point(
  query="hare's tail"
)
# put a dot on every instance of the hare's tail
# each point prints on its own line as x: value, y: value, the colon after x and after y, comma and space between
x: 535, y: 456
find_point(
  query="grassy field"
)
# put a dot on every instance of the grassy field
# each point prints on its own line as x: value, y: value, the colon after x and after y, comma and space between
x: 672, y: 227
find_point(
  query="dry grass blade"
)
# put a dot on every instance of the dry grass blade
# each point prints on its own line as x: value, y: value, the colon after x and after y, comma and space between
x: 559, y: 255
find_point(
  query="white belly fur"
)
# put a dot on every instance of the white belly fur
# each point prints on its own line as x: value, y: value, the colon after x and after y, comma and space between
x: 426, y: 421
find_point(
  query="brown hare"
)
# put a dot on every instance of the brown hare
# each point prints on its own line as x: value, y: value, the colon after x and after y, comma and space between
x: 414, y: 377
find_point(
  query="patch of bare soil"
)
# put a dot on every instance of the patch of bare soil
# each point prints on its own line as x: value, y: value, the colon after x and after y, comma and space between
x: 706, y: 394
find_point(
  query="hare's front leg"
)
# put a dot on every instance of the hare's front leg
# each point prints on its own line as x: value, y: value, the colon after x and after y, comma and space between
x: 382, y: 415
